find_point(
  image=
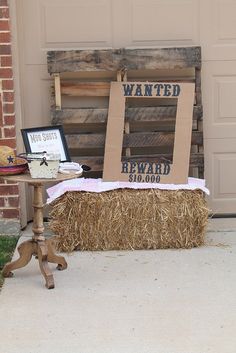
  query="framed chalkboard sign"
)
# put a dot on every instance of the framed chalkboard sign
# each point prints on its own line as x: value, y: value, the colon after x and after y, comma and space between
x: 46, y: 138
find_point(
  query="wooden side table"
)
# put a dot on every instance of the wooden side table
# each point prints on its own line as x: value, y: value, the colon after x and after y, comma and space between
x: 38, y: 246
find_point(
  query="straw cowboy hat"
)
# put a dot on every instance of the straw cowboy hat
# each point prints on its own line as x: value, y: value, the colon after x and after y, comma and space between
x: 10, y: 163
x: 7, y: 156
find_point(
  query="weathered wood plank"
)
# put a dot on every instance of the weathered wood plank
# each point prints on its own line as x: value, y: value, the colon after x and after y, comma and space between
x: 57, y: 85
x: 96, y: 163
x: 132, y: 140
x: 156, y: 139
x: 134, y: 127
x: 86, y: 89
x: 137, y: 114
x: 118, y: 59
x: 79, y: 116
x: 99, y: 89
x: 198, y: 92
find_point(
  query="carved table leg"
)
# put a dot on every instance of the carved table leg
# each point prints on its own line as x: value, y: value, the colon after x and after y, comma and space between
x: 26, y: 250
x: 38, y: 229
x: 43, y: 264
x: 52, y: 257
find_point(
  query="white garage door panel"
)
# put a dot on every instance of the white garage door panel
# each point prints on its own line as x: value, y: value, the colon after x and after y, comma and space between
x: 220, y: 172
x: 218, y: 29
x: 219, y: 92
x: 73, y: 16
x: 165, y: 21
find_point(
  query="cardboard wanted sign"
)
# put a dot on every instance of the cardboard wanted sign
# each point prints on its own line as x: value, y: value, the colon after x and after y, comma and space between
x: 161, y: 172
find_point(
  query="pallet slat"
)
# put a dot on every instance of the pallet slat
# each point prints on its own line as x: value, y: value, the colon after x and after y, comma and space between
x: 137, y: 114
x: 86, y: 89
x: 118, y: 59
x: 96, y: 89
x: 151, y: 139
x: 96, y: 163
x: 57, y: 84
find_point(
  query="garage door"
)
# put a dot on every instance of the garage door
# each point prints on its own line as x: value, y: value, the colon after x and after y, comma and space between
x: 218, y: 40
x: 44, y: 25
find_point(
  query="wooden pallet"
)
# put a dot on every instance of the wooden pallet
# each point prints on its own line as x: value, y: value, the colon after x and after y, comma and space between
x: 80, y: 102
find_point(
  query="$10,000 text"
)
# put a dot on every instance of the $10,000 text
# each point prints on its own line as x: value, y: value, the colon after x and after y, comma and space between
x: 145, y: 172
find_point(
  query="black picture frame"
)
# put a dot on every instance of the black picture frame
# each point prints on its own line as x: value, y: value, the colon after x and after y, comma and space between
x: 46, y: 138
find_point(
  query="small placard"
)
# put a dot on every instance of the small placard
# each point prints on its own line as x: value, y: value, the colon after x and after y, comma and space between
x: 50, y: 139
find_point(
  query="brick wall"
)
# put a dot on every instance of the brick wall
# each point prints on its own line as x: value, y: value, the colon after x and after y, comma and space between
x: 9, y: 193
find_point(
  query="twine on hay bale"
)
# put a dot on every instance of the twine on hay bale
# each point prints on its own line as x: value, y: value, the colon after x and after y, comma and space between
x: 130, y: 219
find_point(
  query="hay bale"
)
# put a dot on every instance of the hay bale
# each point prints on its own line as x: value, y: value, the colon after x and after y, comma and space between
x: 130, y: 219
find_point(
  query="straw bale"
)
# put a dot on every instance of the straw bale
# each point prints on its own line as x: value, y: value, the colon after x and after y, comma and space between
x: 129, y: 219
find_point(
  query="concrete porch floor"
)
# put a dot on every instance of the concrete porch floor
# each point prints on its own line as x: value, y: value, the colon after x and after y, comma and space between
x: 164, y: 301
